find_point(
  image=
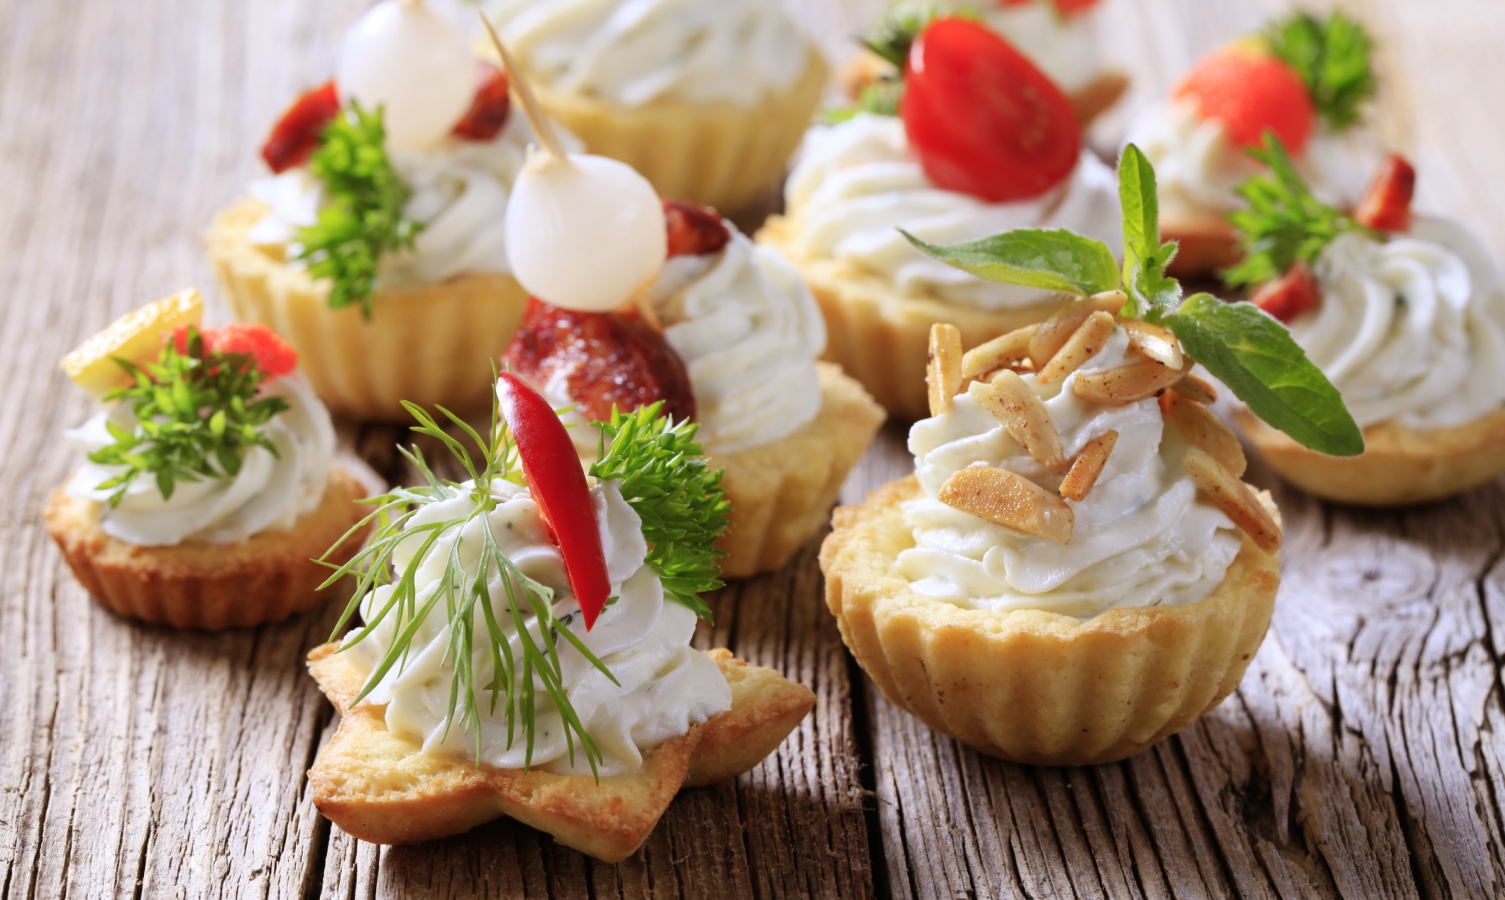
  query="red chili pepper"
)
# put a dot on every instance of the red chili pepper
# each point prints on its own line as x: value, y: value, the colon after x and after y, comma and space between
x: 296, y: 135
x: 1387, y: 202
x: 558, y: 485
x: 1290, y: 295
x: 488, y: 109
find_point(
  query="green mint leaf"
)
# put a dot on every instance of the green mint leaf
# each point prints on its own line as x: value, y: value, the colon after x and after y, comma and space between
x: 1145, y: 257
x: 1332, y: 56
x: 1048, y: 259
x: 1255, y: 356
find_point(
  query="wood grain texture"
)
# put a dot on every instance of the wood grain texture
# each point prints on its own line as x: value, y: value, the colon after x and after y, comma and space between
x: 1362, y: 756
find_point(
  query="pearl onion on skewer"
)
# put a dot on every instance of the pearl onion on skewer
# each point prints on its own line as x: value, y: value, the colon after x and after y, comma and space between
x: 414, y: 63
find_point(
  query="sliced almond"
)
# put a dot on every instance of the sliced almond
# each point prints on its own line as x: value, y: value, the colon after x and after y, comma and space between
x: 1194, y: 388
x: 1079, y: 348
x: 1088, y: 465
x: 1203, y: 430
x: 1008, y: 499
x: 1023, y: 416
x: 1234, y: 498
x: 1125, y: 384
x: 1154, y: 342
x: 1000, y: 353
x: 1054, y: 332
x: 943, y: 372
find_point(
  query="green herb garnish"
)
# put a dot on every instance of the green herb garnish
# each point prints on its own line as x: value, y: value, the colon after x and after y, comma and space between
x: 362, y: 215
x: 891, y: 42
x: 1332, y: 56
x: 196, y: 417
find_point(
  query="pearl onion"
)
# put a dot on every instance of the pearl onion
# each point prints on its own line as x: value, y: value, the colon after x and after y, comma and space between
x: 584, y: 236
x: 413, y: 62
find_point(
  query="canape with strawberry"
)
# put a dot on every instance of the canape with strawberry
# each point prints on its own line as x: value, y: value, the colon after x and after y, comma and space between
x: 1306, y: 80
x: 376, y: 247
x: 1405, y: 313
x: 977, y: 140
x: 209, y: 486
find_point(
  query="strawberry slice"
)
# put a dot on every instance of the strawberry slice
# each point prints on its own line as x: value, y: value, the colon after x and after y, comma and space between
x: 694, y: 230
x: 274, y: 357
x: 296, y: 135
x: 1290, y: 295
x: 1387, y: 202
x: 488, y: 111
x: 1251, y: 92
x: 1069, y: 8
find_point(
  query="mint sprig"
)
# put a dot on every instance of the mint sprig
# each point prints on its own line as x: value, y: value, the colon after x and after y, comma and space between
x: 1332, y: 56
x: 1047, y: 259
x: 1145, y: 257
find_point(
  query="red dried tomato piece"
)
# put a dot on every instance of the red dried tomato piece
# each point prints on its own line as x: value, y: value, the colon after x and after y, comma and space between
x: 1387, y: 202
x: 694, y: 230
x: 1290, y: 295
x: 1250, y: 93
x: 296, y: 135
x: 607, y: 359
x: 488, y: 111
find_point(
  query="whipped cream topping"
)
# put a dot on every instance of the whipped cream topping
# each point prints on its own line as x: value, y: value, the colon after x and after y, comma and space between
x: 857, y: 183
x: 630, y: 54
x: 1411, y: 330
x: 643, y: 638
x: 270, y: 491
x: 1142, y: 537
x: 460, y: 190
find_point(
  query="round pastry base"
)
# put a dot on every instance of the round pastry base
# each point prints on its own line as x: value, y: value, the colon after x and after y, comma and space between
x: 1399, y: 466
x: 882, y: 337
x: 265, y: 578
x: 433, y: 344
x: 1031, y: 686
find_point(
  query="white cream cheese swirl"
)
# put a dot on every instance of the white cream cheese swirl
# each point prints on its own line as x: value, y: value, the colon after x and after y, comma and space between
x: 1142, y: 537
x: 1411, y: 330
x: 664, y: 688
x: 270, y: 491
x: 459, y: 195
x: 633, y: 53
x: 857, y: 183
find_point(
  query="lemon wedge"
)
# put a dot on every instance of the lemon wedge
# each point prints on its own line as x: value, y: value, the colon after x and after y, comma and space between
x: 136, y: 336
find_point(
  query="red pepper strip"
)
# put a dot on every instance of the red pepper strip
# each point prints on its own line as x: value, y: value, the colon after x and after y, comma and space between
x: 1290, y: 295
x: 558, y: 485
x: 296, y: 135
x: 1387, y: 203
x: 488, y: 109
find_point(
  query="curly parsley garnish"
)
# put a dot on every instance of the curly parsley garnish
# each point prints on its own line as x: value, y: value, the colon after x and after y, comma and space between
x: 1332, y: 56
x: 362, y: 215
x: 196, y: 417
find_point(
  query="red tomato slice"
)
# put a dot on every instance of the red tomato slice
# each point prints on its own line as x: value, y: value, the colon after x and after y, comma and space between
x: 488, y: 111
x: 1290, y: 295
x: 982, y: 119
x: 1387, y: 202
x: 1251, y: 93
x: 296, y: 135
x: 274, y: 356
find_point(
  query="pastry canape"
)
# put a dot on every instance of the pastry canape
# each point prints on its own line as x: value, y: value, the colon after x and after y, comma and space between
x: 209, y: 488
x: 950, y: 165
x: 1404, y: 313
x: 377, y: 247
x: 1306, y: 79
x: 1076, y: 569
x: 707, y: 98
x: 525, y: 646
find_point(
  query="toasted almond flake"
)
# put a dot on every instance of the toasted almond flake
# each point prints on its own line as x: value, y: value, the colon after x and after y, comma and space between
x: 1087, y: 466
x: 1194, y: 388
x: 1008, y: 499
x: 1000, y: 353
x: 1234, y: 498
x: 943, y: 373
x: 1202, y: 430
x: 1022, y: 415
x: 1153, y: 342
x: 1081, y: 346
x: 1125, y: 384
x: 1052, y: 334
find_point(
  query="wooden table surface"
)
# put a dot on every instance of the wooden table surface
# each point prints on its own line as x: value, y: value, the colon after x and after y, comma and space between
x: 1363, y: 756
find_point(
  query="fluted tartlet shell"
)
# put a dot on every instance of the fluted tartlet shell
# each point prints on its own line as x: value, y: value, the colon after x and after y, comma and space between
x: 881, y: 337
x: 264, y: 578
x: 1031, y: 686
x: 1399, y: 466
x: 781, y: 492
x: 431, y: 344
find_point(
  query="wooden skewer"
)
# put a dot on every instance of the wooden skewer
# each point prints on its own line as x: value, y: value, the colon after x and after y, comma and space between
x: 541, y: 124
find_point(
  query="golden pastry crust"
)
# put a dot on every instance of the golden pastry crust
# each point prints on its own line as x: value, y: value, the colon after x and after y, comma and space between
x: 1028, y: 685
x: 430, y: 344
x: 380, y: 787
x: 265, y: 578
x: 882, y: 337
x: 781, y: 493
x: 1399, y: 465
x: 1208, y: 244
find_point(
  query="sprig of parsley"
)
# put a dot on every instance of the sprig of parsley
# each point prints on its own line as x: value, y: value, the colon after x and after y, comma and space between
x: 1284, y: 222
x: 362, y: 215
x: 1332, y: 56
x: 196, y: 417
